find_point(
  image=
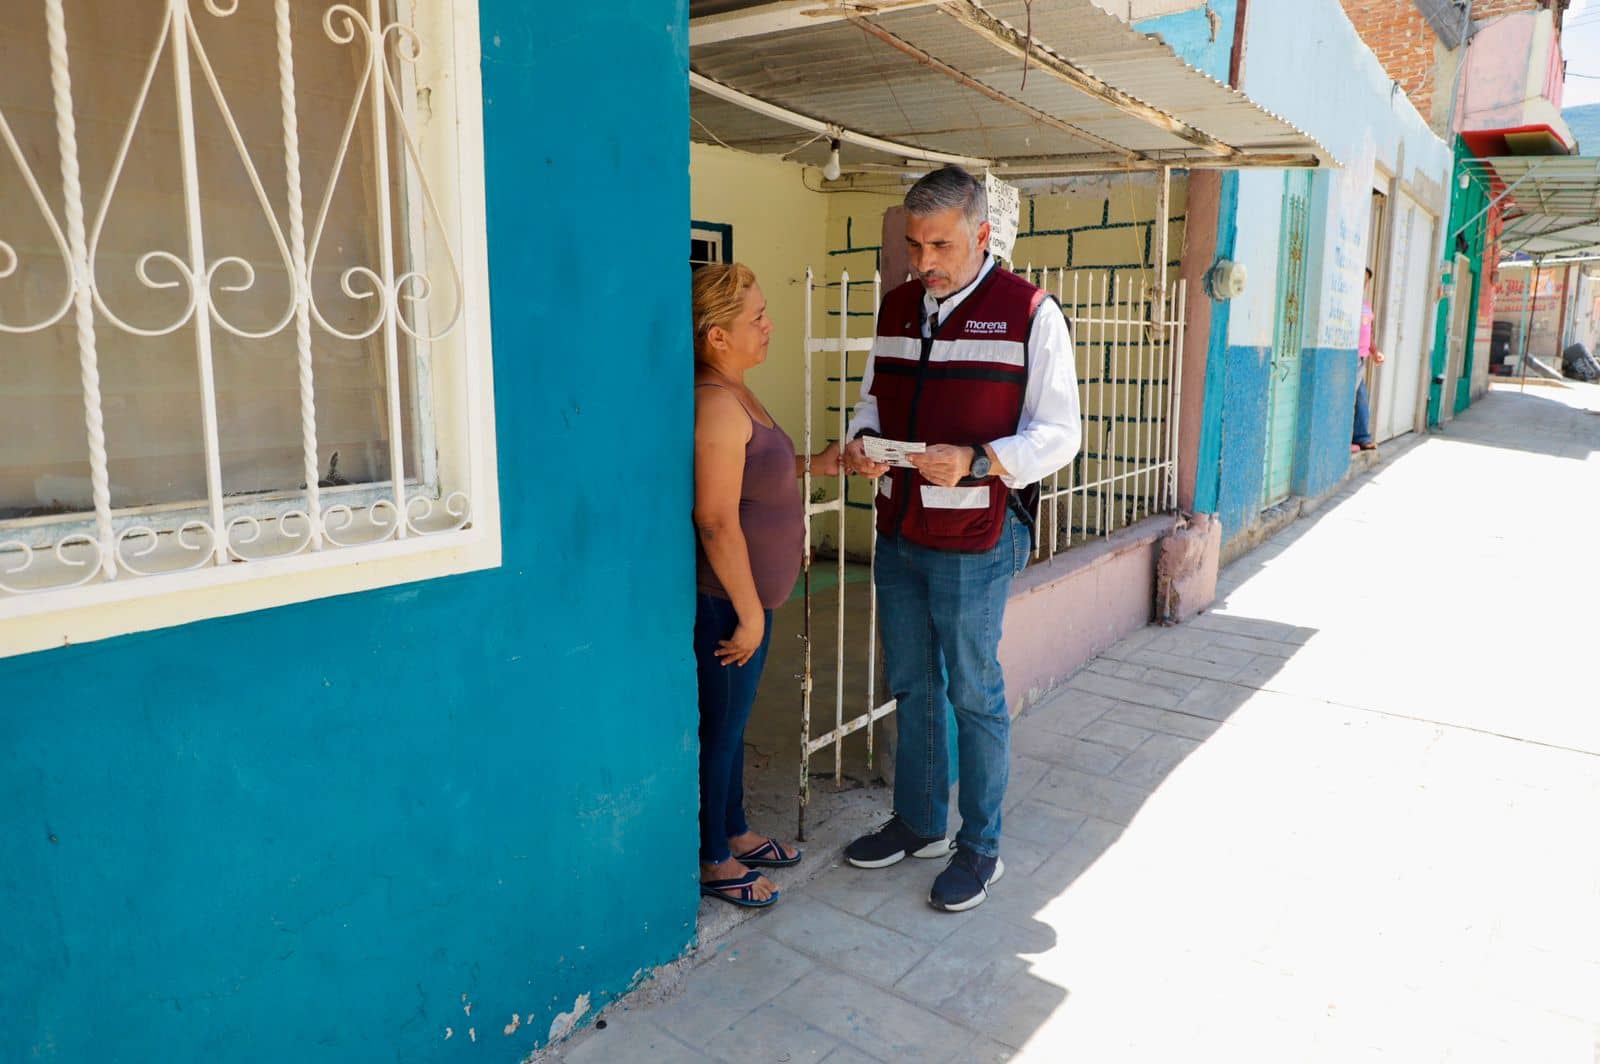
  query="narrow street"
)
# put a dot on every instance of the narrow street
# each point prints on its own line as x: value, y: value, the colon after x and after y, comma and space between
x: 1349, y: 814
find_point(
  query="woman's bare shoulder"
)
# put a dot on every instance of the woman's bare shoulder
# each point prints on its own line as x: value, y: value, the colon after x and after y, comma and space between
x: 717, y: 411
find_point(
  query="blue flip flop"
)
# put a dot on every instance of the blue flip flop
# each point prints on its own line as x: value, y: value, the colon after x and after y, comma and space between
x: 768, y: 855
x: 740, y: 891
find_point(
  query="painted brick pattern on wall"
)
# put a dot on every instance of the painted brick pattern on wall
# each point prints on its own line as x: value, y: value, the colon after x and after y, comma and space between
x: 1100, y: 233
x: 854, y: 245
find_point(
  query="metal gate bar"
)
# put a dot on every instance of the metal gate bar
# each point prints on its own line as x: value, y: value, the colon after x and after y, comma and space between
x: 843, y: 346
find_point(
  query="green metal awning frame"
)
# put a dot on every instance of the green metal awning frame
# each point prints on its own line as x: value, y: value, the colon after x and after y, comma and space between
x: 1550, y: 203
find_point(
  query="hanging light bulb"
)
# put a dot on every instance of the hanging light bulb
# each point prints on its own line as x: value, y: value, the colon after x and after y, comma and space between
x: 830, y: 169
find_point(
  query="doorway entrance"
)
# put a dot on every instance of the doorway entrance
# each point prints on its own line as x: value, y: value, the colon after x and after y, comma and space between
x: 1287, y: 333
x: 1397, y: 387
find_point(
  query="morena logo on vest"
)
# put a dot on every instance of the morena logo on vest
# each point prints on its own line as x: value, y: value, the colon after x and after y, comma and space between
x: 986, y: 327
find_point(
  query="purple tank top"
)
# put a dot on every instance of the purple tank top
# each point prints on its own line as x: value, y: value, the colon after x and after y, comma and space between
x: 771, y: 515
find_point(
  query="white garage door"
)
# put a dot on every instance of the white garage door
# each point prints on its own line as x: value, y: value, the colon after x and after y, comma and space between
x: 1404, y: 334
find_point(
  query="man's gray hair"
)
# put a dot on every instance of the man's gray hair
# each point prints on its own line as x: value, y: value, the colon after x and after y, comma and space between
x: 949, y: 188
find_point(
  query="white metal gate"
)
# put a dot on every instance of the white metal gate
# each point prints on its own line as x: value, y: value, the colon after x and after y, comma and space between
x: 840, y: 346
x: 1127, y: 344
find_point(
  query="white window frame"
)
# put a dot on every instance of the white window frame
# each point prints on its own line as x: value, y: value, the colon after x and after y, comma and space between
x: 463, y: 421
x: 717, y: 236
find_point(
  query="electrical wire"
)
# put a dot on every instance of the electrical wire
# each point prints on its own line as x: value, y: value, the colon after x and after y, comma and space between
x: 807, y: 144
x: 712, y: 135
x: 835, y: 191
x: 745, y: 151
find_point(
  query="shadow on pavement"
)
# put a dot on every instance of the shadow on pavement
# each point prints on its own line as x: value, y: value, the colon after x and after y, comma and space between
x: 1562, y: 423
x: 1087, y: 763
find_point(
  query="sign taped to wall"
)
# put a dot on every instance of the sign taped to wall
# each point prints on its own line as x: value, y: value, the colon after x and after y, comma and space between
x: 1005, y: 208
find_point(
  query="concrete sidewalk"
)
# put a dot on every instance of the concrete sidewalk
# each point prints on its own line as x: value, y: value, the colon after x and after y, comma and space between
x: 1350, y: 814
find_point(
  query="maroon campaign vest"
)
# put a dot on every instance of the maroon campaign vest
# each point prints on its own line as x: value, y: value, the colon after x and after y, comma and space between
x: 965, y: 385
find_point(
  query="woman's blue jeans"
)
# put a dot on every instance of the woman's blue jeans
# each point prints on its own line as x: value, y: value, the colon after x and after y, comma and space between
x: 726, y: 694
x: 940, y: 615
x: 1361, y: 429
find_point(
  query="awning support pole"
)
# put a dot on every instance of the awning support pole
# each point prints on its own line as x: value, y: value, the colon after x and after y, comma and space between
x: 1527, y: 317
x: 1163, y: 225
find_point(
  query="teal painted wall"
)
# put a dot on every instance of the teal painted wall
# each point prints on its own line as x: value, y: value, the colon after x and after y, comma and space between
x: 1207, y: 46
x: 1468, y: 205
x: 1208, y: 467
x: 313, y: 834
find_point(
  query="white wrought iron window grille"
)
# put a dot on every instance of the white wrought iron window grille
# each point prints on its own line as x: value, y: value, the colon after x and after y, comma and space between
x: 243, y: 324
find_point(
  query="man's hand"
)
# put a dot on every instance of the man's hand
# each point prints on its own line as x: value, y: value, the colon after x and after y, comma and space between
x: 943, y: 464
x: 856, y: 461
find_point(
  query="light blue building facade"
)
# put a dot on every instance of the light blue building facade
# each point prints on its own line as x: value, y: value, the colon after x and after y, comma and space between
x: 1280, y: 374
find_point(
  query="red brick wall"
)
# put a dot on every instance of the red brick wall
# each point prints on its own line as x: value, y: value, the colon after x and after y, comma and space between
x: 1483, y: 10
x: 1403, y: 41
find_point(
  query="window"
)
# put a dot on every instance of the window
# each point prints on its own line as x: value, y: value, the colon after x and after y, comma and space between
x: 709, y: 242
x: 249, y: 340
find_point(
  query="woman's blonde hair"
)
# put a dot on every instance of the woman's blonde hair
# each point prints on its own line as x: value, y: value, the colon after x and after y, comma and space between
x: 719, y: 290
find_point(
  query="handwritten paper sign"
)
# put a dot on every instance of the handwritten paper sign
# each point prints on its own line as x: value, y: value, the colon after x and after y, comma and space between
x: 1005, y: 209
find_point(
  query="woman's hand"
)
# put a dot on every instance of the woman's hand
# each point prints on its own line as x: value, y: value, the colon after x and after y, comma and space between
x: 745, y: 641
x: 825, y: 463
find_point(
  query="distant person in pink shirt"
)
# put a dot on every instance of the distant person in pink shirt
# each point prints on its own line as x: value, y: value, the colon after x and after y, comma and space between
x: 1361, y: 432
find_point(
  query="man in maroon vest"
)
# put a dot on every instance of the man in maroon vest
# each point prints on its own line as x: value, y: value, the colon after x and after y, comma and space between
x: 977, y: 364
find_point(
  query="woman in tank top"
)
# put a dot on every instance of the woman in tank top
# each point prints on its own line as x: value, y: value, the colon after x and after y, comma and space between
x: 750, y: 524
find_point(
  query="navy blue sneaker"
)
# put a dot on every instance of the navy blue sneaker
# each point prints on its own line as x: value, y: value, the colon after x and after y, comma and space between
x: 892, y: 843
x: 964, y: 883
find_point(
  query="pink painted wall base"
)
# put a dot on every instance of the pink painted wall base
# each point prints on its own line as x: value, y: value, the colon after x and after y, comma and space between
x: 1063, y: 613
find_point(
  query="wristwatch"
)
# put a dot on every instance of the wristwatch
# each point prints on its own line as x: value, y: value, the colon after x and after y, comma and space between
x: 980, y: 463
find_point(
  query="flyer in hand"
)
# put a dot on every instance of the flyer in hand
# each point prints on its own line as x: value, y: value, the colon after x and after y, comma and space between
x: 893, y: 452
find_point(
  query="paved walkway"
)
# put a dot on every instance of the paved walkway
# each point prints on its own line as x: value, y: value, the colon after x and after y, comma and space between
x: 1351, y: 814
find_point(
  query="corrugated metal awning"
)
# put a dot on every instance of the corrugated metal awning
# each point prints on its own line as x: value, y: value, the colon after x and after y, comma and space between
x: 941, y: 79
x: 1550, y: 204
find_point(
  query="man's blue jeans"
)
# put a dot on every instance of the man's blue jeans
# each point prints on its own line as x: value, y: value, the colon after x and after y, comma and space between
x: 940, y: 613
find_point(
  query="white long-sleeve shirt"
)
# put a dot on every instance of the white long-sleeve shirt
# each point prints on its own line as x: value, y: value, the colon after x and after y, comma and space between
x: 1050, y: 429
